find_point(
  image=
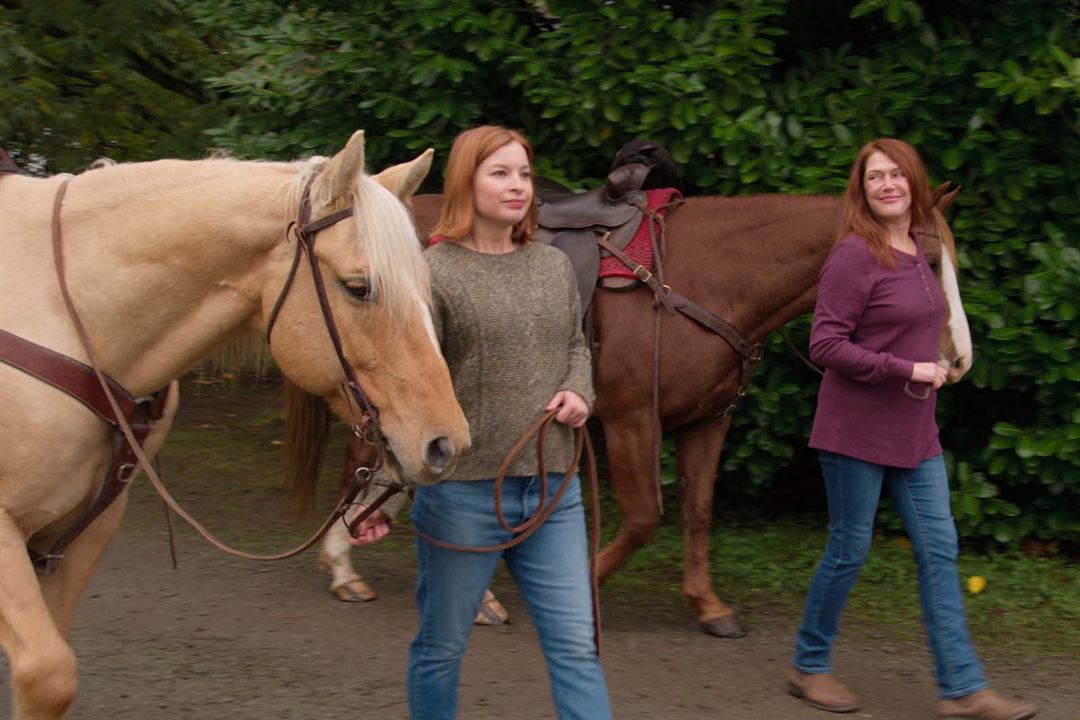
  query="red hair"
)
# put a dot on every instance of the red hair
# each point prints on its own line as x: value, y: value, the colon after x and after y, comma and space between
x: 471, y: 148
x: 856, y: 216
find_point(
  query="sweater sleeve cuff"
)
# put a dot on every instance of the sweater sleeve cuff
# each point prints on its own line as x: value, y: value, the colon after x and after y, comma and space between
x: 902, y: 369
x: 585, y: 393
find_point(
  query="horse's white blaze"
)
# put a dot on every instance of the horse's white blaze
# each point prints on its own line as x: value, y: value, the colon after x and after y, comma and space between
x: 958, y: 322
x: 429, y: 324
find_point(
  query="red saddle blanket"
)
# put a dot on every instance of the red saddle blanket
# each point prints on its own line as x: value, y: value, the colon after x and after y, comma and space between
x: 640, y: 246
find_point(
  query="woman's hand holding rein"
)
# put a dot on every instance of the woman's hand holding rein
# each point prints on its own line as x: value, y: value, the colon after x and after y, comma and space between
x: 929, y: 373
x: 573, y: 410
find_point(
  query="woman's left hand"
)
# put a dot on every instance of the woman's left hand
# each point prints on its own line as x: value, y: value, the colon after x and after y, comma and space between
x: 372, y: 529
x: 573, y: 410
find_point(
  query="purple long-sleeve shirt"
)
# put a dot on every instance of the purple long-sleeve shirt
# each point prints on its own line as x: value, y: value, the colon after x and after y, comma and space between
x: 871, y: 325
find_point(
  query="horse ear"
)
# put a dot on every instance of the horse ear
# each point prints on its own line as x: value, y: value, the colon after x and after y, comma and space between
x: 937, y: 192
x: 342, y: 170
x: 946, y: 200
x: 403, y: 180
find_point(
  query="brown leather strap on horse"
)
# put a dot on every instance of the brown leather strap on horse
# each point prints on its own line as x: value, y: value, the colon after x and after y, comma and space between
x: 751, y: 353
x: 133, y: 442
x: 79, y: 381
x: 800, y: 355
x: 307, y: 231
x: 545, y: 507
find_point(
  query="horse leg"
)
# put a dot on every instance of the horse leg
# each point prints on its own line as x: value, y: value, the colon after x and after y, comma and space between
x: 345, y: 583
x: 631, y: 455
x: 698, y: 451
x: 43, y: 680
x: 348, y: 586
x: 62, y: 589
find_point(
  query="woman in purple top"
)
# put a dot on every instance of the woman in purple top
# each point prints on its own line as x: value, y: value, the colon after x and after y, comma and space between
x: 876, y: 327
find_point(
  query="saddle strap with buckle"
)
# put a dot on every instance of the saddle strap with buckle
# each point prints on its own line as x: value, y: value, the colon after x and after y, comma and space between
x: 751, y: 353
x: 80, y: 382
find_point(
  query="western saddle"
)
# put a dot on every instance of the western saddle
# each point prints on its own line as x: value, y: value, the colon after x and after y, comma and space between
x: 573, y: 222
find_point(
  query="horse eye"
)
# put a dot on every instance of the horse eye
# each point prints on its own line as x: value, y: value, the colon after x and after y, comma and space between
x: 360, y: 289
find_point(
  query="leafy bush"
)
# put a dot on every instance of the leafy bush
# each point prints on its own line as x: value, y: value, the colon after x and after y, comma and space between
x: 750, y: 96
x: 762, y: 96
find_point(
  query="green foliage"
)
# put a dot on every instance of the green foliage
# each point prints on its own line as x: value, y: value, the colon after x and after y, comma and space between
x: 412, y: 74
x: 116, y: 78
x: 750, y: 96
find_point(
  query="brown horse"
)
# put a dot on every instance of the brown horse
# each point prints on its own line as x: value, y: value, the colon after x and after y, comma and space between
x: 753, y: 261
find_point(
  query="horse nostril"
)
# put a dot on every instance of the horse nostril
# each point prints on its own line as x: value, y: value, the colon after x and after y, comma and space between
x: 958, y: 363
x: 438, y: 453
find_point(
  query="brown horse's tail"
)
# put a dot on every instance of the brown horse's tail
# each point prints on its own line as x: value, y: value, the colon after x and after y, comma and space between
x: 307, y: 425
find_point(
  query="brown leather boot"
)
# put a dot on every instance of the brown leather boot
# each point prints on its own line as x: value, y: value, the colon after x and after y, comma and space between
x: 822, y: 691
x: 986, y: 705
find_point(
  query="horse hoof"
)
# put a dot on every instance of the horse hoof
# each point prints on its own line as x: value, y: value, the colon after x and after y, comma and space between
x: 725, y: 626
x: 354, y: 591
x: 491, y: 611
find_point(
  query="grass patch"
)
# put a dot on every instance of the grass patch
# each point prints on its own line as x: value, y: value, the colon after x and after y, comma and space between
x: 1029, y: 605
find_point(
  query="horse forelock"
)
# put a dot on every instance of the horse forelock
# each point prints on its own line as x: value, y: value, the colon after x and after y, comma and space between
x: 386, y: 236
x: 388, y: 240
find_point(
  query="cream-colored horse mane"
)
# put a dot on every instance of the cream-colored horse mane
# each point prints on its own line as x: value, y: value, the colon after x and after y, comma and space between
x: 396, y: 269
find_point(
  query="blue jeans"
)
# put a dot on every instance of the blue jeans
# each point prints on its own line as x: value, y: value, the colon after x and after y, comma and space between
x: 550, y: 568
x: 921, y: 496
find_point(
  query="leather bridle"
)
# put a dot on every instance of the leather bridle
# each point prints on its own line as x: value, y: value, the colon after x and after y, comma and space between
x: 305, y: 231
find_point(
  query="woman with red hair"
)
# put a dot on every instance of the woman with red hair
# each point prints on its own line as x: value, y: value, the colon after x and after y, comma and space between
x: 507, y: 316
x: 877, y: 322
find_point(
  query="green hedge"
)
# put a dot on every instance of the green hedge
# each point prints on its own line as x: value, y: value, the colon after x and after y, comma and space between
x: 751, y: 96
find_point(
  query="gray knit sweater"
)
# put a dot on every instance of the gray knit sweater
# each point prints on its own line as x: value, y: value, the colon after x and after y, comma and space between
x: 510, y: 330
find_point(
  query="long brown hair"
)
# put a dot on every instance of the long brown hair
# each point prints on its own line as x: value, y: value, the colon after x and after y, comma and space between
x: 471, y: 148
x: 856, y: 218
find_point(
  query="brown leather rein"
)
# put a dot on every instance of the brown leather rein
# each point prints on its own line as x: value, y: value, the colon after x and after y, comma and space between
x: 545, y: 507
x: 119, y: 411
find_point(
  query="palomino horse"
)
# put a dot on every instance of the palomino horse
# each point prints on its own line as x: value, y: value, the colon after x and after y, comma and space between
x: 166, y: 261
x: 753, y: 261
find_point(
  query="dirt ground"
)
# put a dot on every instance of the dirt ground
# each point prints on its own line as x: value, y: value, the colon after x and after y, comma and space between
x: 222, y: 638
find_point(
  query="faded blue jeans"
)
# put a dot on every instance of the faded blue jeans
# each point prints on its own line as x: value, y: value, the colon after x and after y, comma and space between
x: 551, y: 569
x: 921, y: 496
